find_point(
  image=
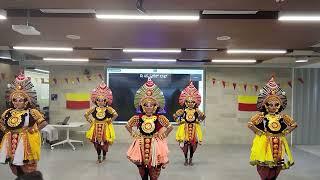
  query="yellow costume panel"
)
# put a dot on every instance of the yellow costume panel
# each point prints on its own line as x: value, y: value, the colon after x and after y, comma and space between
x: 262, y: 151
x: 183, y: 134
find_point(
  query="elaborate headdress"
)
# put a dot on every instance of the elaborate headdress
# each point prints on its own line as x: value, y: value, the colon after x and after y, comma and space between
x: 22, y: 86
x: 149, y: 91
x: 103, y: 91
x: 271, y: 91
x: 190, y: 92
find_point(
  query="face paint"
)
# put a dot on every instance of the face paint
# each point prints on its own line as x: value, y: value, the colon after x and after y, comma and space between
x: 19, y: 102
x: 272, y: 106
x: 101, y: 101
x: 190, y: 103
x: 149, y: 107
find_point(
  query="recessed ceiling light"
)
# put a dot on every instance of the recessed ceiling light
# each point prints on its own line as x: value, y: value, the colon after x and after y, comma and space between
x: 148, y: 17
x: 302, y: 60
x: 66, y: 59
x: 153, y: 60
x: 72, y: 36
x: 217, y: 12
x: 159, y: 16
x: 233, y: 60
x: 223, y: 38
x: 31, y: 48
x: 68, y: 11
x: 257, y: 51
x: 5, y: 57
x: 299, y: 16
x: 133, y: 50
x: 3, y: 14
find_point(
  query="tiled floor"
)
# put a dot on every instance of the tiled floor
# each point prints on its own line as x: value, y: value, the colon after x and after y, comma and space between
x: 212, y: 162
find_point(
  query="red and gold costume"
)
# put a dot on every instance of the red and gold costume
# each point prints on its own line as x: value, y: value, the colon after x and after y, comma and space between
x: 21, y: 124
x: 101, y: 132
x: 189, y: 132
x: 149, y: 150
x: 270, y: 150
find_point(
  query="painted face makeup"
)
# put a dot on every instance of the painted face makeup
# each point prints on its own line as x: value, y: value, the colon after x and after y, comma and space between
x: 190, y: 103
x: 19, y: 102
x: 272, y: 106
x: 101, y: 102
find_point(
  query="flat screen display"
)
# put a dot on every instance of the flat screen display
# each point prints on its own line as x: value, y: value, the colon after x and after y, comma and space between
x: 124, y: 83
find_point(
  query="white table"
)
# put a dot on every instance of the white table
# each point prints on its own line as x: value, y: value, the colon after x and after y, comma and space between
x: 68, y: 127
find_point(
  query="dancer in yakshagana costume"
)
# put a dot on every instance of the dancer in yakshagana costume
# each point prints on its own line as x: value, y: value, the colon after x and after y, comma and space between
x: 149, y: 150
x: 101, y: 132
x: 21, y: 124
x: 270, y: 151
x: 189, y: 132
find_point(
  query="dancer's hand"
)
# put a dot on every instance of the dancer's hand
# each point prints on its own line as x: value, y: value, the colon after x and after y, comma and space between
x: 5, y: 131
x: 90, y: 120
x: 201, y: 114
x: 32, y: 130
x: 179, y: 112
x: 135, y: 134
x: 109, y: 121
x: 285, y: 132
x: 260, y: 133
x: 161, y: 135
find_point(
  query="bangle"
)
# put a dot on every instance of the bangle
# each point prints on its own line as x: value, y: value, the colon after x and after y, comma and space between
x: 285, y: 132
x: 31, y: 130
x: 165, y: 134
x: 134, y: 134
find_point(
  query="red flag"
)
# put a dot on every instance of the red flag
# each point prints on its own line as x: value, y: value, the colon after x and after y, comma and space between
x: 223, y: 84
x: 256, y: 87
x: 66, y: 79
x: 245, y: 87
x: 290, y: 83
x: 54, y: 80
x: 213, y: 81
x: 301, y: 80
x: 234, y: 86
x: 78, y: 79
x: 77, y: 100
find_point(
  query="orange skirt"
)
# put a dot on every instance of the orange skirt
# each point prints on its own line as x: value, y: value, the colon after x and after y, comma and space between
x: 158, y: 155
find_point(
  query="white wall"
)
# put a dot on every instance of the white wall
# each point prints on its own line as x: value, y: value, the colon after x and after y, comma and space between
x: 42, y: 88
x: 224, y: 123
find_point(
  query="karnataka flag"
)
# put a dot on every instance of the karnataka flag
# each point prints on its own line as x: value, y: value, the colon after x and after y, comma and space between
x: 247, y: 103
x: 77, y: 100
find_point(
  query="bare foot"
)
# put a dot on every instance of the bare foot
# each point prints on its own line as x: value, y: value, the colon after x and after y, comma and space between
x: 186, y: 162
